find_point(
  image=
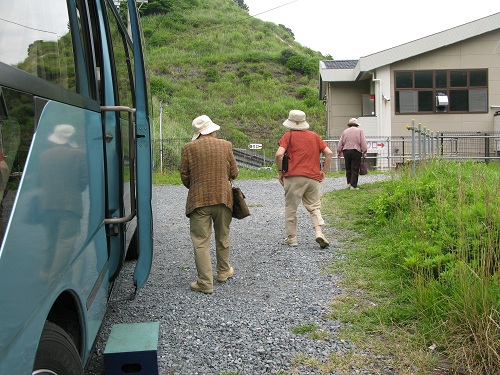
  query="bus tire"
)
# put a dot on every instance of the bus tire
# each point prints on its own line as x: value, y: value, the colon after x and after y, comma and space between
x: 56, y: 353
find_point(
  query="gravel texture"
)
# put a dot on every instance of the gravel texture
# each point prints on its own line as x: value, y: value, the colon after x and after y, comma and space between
x: 244, y: 327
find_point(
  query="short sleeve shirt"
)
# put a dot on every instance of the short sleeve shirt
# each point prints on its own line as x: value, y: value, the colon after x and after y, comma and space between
x: 304, y: 151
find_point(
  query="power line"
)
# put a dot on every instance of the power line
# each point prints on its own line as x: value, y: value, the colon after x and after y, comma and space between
x: 27, y: 27
x: 279, y: 6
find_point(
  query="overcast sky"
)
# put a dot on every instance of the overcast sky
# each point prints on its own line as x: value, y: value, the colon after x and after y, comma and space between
x: 352, y: 29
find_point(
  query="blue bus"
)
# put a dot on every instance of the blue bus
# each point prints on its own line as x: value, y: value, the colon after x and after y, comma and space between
x: 75, y: 175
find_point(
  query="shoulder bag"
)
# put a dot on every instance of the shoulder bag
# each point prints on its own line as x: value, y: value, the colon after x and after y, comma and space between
x: 240, y: 207
x: 363, y: 168
x: 284, y: 163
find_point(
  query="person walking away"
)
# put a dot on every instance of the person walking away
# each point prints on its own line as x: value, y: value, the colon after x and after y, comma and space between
x: 207, y: 168
x: 302, y: 179
x: 353, y: 145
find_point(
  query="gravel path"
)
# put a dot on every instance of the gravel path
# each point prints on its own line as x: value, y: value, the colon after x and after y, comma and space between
x: 245, y: 326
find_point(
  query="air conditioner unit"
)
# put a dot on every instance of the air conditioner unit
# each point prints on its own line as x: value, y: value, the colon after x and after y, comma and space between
x: 441, y: 100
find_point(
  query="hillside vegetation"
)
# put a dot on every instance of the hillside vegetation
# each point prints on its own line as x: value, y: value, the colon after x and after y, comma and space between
x: 211, y: 57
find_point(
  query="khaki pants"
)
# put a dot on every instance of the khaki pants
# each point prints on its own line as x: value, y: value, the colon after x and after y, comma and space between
x: 306, y: 190
x: 200, y: 221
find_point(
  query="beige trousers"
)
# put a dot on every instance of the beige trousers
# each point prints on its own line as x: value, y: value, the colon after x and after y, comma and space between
x: 306, y: 190
x: 200, y: 221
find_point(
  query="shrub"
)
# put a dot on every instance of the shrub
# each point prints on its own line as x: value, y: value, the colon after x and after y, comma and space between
x: 286, y: 54
x: 212, y: 74
x: 161, y: 87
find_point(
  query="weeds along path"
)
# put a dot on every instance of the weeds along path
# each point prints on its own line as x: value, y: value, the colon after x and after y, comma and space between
x: 246, y: 325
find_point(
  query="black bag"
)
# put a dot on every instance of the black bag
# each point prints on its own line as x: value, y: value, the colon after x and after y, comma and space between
x: 240, y: 207
x: 363, y: 168
x: 284, y: 163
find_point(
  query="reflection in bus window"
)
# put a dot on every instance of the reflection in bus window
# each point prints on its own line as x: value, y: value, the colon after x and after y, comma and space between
x: 34, y: 37
x: 62, y: 182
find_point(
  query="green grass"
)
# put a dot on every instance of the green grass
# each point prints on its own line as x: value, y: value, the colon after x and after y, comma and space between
x: 420, y: 266
x: 174, y: 178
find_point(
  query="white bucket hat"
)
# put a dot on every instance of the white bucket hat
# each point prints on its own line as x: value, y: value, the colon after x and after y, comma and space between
x: 353, y: 122
x: 203, y: 125
x: 62, y: 134
x: 296, y: 120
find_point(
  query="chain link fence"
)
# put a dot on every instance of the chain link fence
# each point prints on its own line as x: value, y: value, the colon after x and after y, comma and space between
x: 384, y: 153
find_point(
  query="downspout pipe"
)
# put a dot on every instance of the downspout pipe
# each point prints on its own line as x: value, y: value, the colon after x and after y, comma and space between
x: 378, y: 103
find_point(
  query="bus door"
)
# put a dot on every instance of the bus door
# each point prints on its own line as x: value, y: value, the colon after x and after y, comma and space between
x: 128, y: 146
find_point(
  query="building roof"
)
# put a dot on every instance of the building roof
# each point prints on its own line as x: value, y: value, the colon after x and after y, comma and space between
x: 340, y: 64
x: 343, y: 70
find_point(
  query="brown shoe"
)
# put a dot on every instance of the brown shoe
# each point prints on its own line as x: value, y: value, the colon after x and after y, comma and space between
x: 223, y: 276
x: 198, y: 288
x: 321, y: 239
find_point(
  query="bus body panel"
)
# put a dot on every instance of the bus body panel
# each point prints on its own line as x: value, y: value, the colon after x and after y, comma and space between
x: 31, y: 277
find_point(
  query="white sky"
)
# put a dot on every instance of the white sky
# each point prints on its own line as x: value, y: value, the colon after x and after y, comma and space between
x: 45, y: 20
x: 353, y: 29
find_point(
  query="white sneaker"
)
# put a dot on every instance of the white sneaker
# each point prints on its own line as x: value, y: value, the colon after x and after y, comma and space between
x: 321, y: 239
x: 291, y: 241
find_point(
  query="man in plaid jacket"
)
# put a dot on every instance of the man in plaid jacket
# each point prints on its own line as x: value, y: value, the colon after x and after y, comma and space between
x: 207, y: 168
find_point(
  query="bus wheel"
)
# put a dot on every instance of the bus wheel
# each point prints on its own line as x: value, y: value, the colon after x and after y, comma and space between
x: 56, y: 354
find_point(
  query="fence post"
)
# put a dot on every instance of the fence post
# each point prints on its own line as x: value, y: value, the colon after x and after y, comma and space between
x: 412, y: 128
x: 486, y: 148
x: 161, y: 137
x: 431, y: 142
x: 424, y: 141
x: 419, y: 131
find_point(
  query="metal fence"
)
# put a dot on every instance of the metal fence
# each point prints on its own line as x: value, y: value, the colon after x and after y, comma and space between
x: 384, y: 153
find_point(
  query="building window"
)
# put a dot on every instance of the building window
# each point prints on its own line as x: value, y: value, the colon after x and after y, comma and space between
x: 442, y: 91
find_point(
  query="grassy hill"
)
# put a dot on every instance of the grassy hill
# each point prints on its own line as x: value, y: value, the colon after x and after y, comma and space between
x: 211, y: 57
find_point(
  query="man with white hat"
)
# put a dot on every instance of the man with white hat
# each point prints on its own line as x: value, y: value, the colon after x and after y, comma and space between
x: 304, y: 173
x: 207, y: 168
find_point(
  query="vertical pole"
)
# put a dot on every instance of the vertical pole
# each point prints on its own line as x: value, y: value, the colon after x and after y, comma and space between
x: 486, y: 148
x: 432, y: 144
x: 424, y: 141
x: 413, y: 147
x: 388, y: 140
x: 161, y: 137
x: 419, y: 142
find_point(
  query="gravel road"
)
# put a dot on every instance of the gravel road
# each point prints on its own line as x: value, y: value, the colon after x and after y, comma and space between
x: 245, y: 326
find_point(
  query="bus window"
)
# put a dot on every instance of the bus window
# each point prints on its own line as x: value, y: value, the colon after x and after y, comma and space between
x: 38, y: 41
x: 16, y: 132
x: 123, y: 57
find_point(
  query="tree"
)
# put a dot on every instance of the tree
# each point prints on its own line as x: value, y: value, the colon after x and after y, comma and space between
x: 242, y: 5
x: 157, y: 7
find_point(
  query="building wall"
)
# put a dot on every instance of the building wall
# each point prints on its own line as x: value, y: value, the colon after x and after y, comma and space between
x: 479, y: 52
x: 343, y: 103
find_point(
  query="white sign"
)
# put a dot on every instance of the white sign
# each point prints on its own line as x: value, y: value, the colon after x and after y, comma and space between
x: 375, y: 144
x: 254, y: 146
